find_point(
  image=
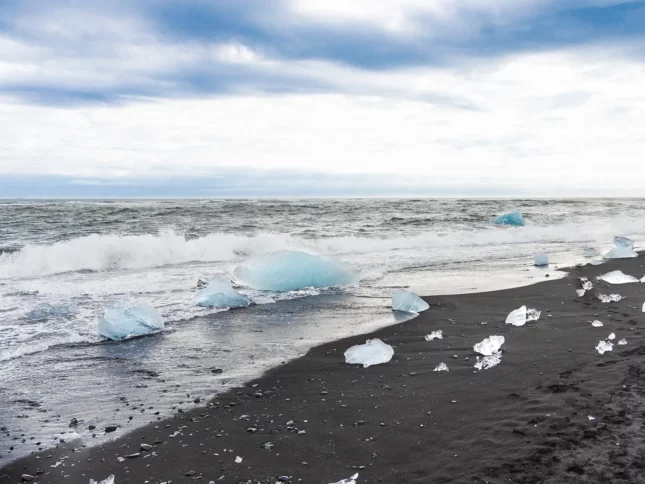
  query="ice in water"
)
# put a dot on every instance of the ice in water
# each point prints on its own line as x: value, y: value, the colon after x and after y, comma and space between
x: 617, y: 277
x: 220, y: 294
x: 128, y: 319
x: 109, y: 480
x: 512, y: 218
x: 51, y: 310
x: 350, y: 480
x: 604, y: 346
x: 489, y: 346
x: 408, y: 302
x: 541, y: 260
x: 288, y: 270
x: 434, y: 335
x: 521, y: 316
x: 624, y: 249
x: 373, y: 352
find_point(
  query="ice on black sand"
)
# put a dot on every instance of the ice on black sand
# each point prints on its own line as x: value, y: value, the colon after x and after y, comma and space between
x: 127, y: 319
x: 522, y: 315
x: 441, y: 367
x: 109, y: 480
x: 349, y: 480
x: 597, y: 324
x: 434, y: 335
x: 604, y: 346
x: 609, y: 299
x: 408, y: 302
x: 373, y: 352
x: 220, y: 294
x: 490, y: 349
x: 617, y: 277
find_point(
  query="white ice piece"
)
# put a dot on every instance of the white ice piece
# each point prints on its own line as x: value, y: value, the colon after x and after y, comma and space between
x: 587, y: 285
x: 489, y: 346
x: 611, y: 336
x: 521, y: 316
x: 128, y: 319
x: 541, y: 260
x: 580, y: 292
x: 350, y: 480
x: 622, y: 342
x: 532, y: 314
x: 109, y: 480
x: 52, y: 310
x: 441, y: 367
x: 604, y: 346
x: 486, y: 362
x: 238, y: 460
x: 617, y: 277
x: 644, y: 307
x: 624, y: 249
x: 597, y: 324
x: 373, y: 352
x: 591, y: 418
x: 289, y: 270
x: 434, y: 335
x: 220, y: 294
x: 408, y: 302
x: 611, y: 298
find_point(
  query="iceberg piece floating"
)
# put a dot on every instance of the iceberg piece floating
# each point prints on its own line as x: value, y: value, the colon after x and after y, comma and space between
x: 441, y: 367
x: 434, y: 335
x: 597, y: 324
x: 617, y: 277
x: 624, y: 249
x: 220, y: 294
x: 350, y: 480
x: 49, y: 310
x: 373, y: 352
x: 408, y: 302
x: 513, y: 218
x: 622, y: 342
x: 489, y: 346
x: 109, y: 480
x: 611, y: 298
x: 288, y: 270
x: 128, y: 319
x: 604, y: 346
x: 541, y: 260
x: 487, y: 362
x: 590, y: 252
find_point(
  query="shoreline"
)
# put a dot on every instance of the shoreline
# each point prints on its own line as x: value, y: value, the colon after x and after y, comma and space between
x: 526, y: 419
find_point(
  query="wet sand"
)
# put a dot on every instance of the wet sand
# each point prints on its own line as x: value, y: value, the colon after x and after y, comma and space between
x: 526, y: 420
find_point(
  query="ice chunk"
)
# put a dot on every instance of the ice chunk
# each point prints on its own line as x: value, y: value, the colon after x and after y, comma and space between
x: 541, y: 260
x: 434, y: 335
x: 220, y: 294
x: 580, y: 292
x: 611, y: 336
x: 489, y: 346
x: 604, y: 346
x: 586, y: 284
x: 238, y: 460
x: 109, y: 480
x: 643, y: 308
x: 128, y: 319
x: 623, y: 242
x: 486, y: 362
x: 512, y: 218
x: 611, y: 298
x: 373, y: 352
x: 408, y: 301
x: 288, y: 270
x: 624, y: 249
x: 350, y: 480
x: 622, y: 342
x: 617, y: 277
x: 532, y: 315
x: 521, y: 316
x: 597, y: 324
x: 50, y: 310
x: 441, y: 367
x: 590, y: 252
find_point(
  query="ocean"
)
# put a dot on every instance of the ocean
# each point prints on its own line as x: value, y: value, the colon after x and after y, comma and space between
x: 92, y: 253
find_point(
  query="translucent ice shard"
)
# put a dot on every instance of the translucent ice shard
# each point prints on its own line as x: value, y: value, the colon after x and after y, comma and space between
x: 624, y: 249
x: 51, y: 310
x: 486, y: 362
x: 611, y: 336
x: 580, y: 292
x: 611, y: 298
x: 597, y: 324
x: 541, y: 260
x: 350, y: 480
x: 128, y: 319
x: 521, y: 316
x: 587, y: 285
x: 288, y: 270
x: 617, y: 277
x: 512, y: 218
x: 604, y: 346
x: 220, y: 294
x: 109, y: 480
x: 408, y: 302
x: 590, y: 252
x: 489, y: 346
x: 373, y: 352
x: 434, y: 335
x: 441, y: 367
x: 532, y: 315
x: 622, y: 342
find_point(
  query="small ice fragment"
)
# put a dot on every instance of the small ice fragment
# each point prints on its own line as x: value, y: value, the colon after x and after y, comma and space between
x: 408, y: 302
x: 220, y: 294
x: 611, y: 336
x: 489, y: 346
x: 512, y: 218
x: 624, y: 249
x: 350, y: 480
x: 486, y: 362
x: 51, y: 310
x: 597, y: 324
x: 623, y: 242
x: 532, y: 314
x: 617, y: 277
x: 434, y: 335
x: 517, y: 317
x: 586, y: 284
x: 580, y: 292
x: 622, y: 342
x: 611, y: 298
x: 109, y: 480
x: 604, y: 346
x: 596, y: 262
x: 373, y: 352
x: 591, y: 418
x: 289, y: 270
x: 441, y: 367
x: 128, y: 319
x: 590, y: 252
x: 238, y: 460
x: 541, y: 260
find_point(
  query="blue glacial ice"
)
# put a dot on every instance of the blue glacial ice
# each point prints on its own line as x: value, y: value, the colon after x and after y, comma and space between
x: 128, y: 319
x: 288, y: 270
x: 624, y: 249
x: 220, y: 294
x: 51, y: 310
x: 512, y: 218
x: 408, y: 301
x: 541, y: 260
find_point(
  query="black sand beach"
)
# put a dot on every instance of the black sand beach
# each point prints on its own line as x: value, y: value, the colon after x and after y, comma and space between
x: 525, y: 421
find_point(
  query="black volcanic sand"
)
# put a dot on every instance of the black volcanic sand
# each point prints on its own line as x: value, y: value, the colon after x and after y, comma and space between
x: 524, y: 421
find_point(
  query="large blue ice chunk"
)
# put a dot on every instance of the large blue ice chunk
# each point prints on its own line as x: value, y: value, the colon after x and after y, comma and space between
x: 128, y: 319
x: 51, y: 310
x: 512, y: 218
x: 624, y: 249
x: 408, y: 301
x: 220, y: 294
x: 288, y: 270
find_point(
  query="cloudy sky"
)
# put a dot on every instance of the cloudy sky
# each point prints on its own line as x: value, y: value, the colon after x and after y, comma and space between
x: 213, y: 98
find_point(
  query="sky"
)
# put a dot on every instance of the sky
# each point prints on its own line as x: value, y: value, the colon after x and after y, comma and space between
x: 268, y: 98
